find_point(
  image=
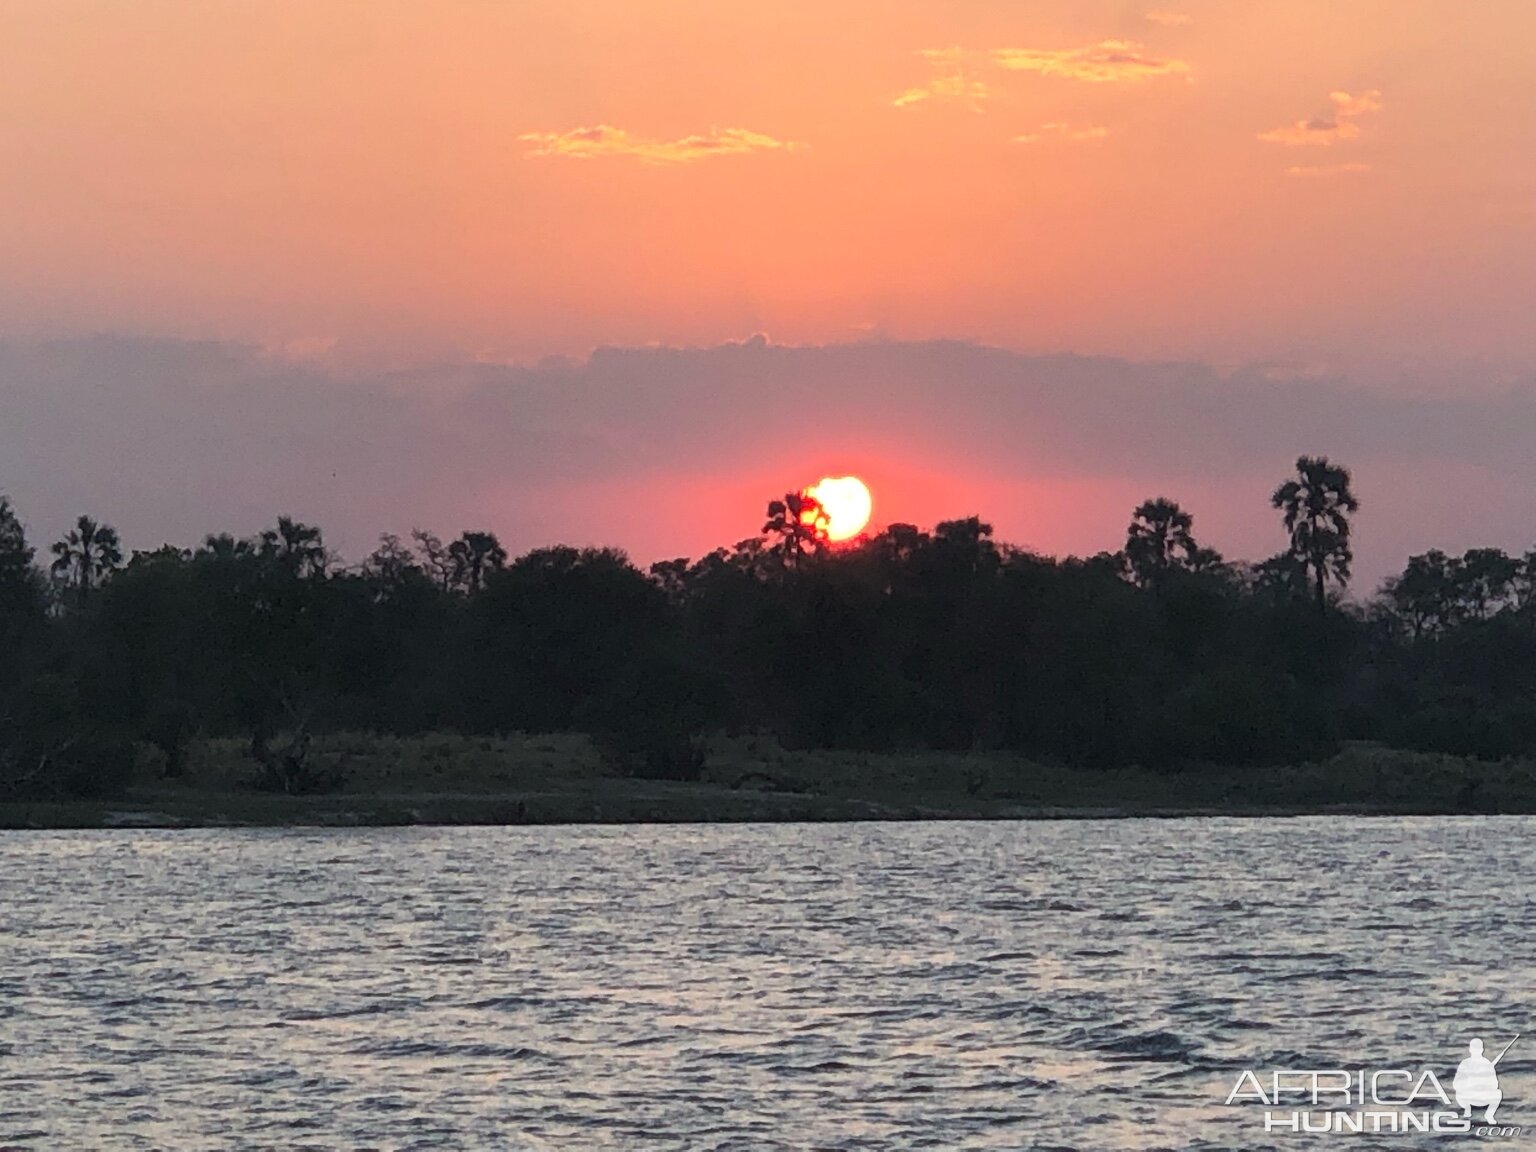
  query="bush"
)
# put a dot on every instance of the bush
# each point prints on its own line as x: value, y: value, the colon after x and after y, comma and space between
x: 95, y: 768
x: 651, y: 750
x: 286, y: 765
x: 83, y: 768
x: 169, y: 729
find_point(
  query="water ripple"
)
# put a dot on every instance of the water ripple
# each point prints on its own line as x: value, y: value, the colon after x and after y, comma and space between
x: 1070, y: 985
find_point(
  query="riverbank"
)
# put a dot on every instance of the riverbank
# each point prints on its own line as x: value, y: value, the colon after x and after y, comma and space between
x: 449, y: 779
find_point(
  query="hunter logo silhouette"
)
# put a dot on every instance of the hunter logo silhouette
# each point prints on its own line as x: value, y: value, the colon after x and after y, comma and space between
x: 1477, y: 1080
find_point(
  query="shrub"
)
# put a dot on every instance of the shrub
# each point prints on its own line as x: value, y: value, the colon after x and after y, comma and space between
x: 650, y: 748
x: 81, y: 768
x: 93, y: 768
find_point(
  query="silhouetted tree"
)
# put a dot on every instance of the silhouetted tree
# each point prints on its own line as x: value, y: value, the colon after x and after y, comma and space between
x: 22, y: 604
x: 87, y: 555
x: 1316, y: 506
x: 671, y: 576
x: 18, y: 581
x: 298, y: 548
x: 900, y: 543
x: 1161, y: 540
x: 907, y: 639
x: 475, y: 555
x: 966, y: 546
x: 1424, y: 597
x: 800, y: 524
x: 555, y: 630
x: 1484, y: 581
x: 1436, y: 592
x: 225, y: 547
x: 435, y: 560
x: 1281, y: 577
x: 392, y: 563
x: 1523, y: 587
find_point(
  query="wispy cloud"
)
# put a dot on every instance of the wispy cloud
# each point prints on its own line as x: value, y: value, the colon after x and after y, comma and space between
x: 959, y: 72
x: 300, y: 348
x: 1059, y: 130
x: 1326, y: 169
x: 1329, y: 128
x: 957, y: 89
x: 955, y: 82
x: 1107, y: 62
x: 606, y: 140
x: 1170, y: 19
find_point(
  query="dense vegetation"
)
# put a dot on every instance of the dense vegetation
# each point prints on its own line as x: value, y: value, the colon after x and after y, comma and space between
x: 1162, y: 655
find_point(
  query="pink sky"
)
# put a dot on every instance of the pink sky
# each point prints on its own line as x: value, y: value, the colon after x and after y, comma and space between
x: 1343, y: 193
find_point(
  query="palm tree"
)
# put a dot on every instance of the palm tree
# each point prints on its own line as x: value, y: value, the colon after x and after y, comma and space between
x: 1161, y: 539
x: 86, y: 556
x: 1317, y: 504
x: 296, y: 546
x: 799, y: 522
x: 475, y: 556
x: 224, y: 547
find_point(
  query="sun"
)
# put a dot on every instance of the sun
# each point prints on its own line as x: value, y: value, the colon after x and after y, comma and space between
x: 846, y: 502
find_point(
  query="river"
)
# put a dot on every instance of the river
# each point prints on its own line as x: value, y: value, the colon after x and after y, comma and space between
x: 1053, y: 984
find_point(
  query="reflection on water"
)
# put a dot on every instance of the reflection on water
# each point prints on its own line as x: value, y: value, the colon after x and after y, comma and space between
x: 1083, y: 985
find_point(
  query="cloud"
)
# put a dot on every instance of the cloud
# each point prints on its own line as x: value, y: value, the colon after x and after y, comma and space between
x: 169, y: 440
x: 1170, y: 19
x: 301, y: 348
x: 955, y: 83
x: 1349, y: 106
x: 956, y: 79
x: 1107, y: 62
x: 1329, y: 128
x: 606, y: 140
x: 1059, y: 130
x: 1326, y: 169
x: 959, y: 89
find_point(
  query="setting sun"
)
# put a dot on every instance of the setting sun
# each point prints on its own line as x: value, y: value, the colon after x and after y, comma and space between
x: 451, y: 418
x: 846, y: 502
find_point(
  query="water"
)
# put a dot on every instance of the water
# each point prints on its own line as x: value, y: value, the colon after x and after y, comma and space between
x: 1084, y: 985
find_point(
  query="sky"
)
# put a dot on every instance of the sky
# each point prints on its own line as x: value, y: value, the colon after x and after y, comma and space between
x: 598, y: 271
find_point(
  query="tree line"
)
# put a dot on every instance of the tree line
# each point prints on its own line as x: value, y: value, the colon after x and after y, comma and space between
x: 1162, y: 654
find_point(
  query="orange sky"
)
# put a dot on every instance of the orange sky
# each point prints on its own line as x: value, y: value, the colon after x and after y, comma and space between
x: 505, y: 180
x: 1306, y: 226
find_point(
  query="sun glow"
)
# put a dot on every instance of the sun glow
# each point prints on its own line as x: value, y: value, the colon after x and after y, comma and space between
x: 846, y: 503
